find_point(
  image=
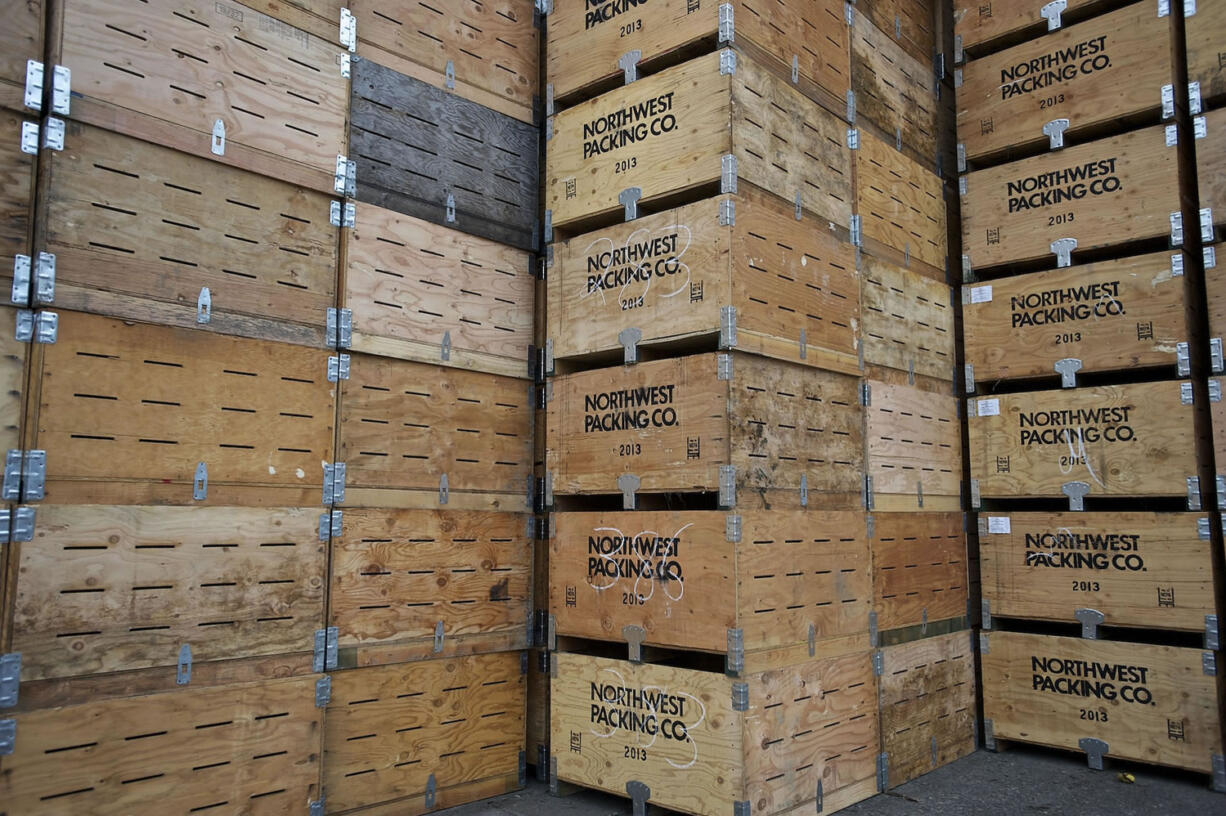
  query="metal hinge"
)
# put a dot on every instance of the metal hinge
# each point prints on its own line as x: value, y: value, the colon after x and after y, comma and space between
x: 727, y: 486
x: 338, y: 367
x: 200, y: 482
x: 1051, y: 12
x: 61, y: 90
x: 853, y: 138
x: 640, y: 795
x: 883, y: 771
x: 866, y: 394
x: 727, y: 174
x: 1090, y: 620
x: 323, y: 657
x: 1218, y: 775
x: 1076, y: 493
x: 346, y: 65
x: 53, y: 135
x: 804, y: 490
x: 440, y: 635
x: 29, y: 137
x: 634, y: 636
x: 1208, y: 663
x: 629, y: 485
x: 41, y: 327
x: 323, y: 691
x: 740, y: 696
x: 547, y: 227
x: 34, y: 85
x: 1215, y: 390
x: 958, y: 55
x: 1200, y: 127
x: 1095, y: 750
x: 1067, y: 369
x: 8, y: 736
x: 449, y: 209
x: 25, y: 473
x: 342, y: 215
x: 217, y: 141
x: 854, y: 227
x: 723, y: 367
x: 1054, y: 131
x: 1167, y: 94
x: 1176, y: 229
x: 1202, y: 529
x: 851, y: 107
x: 732, y: 528
x: 1212, y: 640
x: 348, y: 30
x: 727, y: 327
x: 1193, y: 483
x: 727, y: 62
x: 344, y: 180
x: 183, y: 668
x: 867, y: 492
x: 872, y: 628
x: 1216, y: 360
x: 204, y: 306
x: 315, y: 807
x: 331, y: 524
x: 17, y: 525
x: 10, y: 678
x: 727, y: 212
x: 734, y: 662
x: 1171, y: 135
x: 1206, y: 224
x: 338, y: 328
x: 449, y: 75
x: 334, y: 483
x: 629, y: 199
x: 1063, y: 248
x: 727, y: 26
x: 878, y: 663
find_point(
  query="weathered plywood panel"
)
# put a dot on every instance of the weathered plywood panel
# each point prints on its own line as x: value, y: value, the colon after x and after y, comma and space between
x: 1203, y: 41
x: 913, y: 448
x: 420, y: 291
x: 1110, y: 315
x: 398, y: 575
x: 168, y: 70
x: 21, y: 40
x: 1148, y: 703
x: 907, y: 320
x: 103, y: 589
x: 678, y: 577
x: 138, y: 230
x: 450, y: 721
x: 1105, y: 68
x: 894, y: 90
x: 909, y: 22
x: 485, y: 51
x: 585, y: 43
x: 669, y: 133
x: 670, y: 274
x: 1211, y: 174
x: 1102, y: 193
x: 1121, y: 440
x: 927, y: 704
x: 14, y: 362
x: 978, y: 22
x: 1139, y: 569
x: 901, y: 204
x: 124, y: 401
x: 251, y: 748
x: 431, y: 154
x: 919, y: 568
x: 16, y: 194
x: 318, y: 17
x: 408, y: 427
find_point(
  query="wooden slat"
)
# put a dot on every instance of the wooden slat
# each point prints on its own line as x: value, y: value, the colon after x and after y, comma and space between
x: 397, y: 574
x: 894, y: 90
x: 16, y: 199
x: 1139, y: 569
x: 492, y: 48
x: 410, y: 283
x: 908, y: 22
x: 318, y: 17
x: 913, y: 448
x: 21, y: 40
x: 907, y: 320
x: 14, y: 362
x: 1091, y: 73
x: 1111, y: 191
x: 404, y: 425
x: 901, y: 204
x: 457, y: 720
x: 919, y: 568
x: 251, y: 748
x: 1203, y: 38
x: 1123, y: 440
x: 1211, y: 173
x: 415, y: 145
x: 132, y: 223
x: 1149, y: 703
x: 123, y: 401
x: 979, y: 22
x: 1110, y: 315
x: 167, y: 70
x: 927, y: 704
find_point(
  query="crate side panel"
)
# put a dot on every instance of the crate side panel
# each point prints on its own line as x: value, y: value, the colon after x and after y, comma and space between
x: 907, y: 320
x: 914, y: 445
x: 919, y: 568
x: 900, y: 204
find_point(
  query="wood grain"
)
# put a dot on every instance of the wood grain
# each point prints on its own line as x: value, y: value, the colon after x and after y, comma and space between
x: 1111, y: 315
x: 458, y: 720
x: 1211, y: 170
x: 1203, y: 43
x: 1146, y: 570
x: 320, y: 18
x: 913, y: 448
x: 919, y: 568
x: 20, y: 40
x: 104, y: 589
x: 909, y: 22
x: 907, y: 319
x: 1179, y: 727
x: 252, y: 748
x: 900, y: 203
x: 894, y: 90
x: 1154, y: 458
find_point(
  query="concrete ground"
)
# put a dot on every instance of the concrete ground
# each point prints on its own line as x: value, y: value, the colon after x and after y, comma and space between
x: 1017, y: 782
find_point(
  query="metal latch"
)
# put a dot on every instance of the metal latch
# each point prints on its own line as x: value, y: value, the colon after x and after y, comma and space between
x: 628, y: 484
x: 1076, y: 492
x: 1090, y: 620
x: 1095, y: 749
x: 439, y: 635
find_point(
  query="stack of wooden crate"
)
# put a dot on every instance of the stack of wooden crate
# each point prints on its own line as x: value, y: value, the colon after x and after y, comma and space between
x: 269, y: 411
x: 731, y: 201
x: 1085, y: 258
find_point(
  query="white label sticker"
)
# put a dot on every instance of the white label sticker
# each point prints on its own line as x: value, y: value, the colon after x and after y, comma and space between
x: 999, y: 524
x: 989, y: 407
x: 981, y: 294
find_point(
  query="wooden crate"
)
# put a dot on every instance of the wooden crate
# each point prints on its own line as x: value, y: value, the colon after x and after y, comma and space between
x: 927, y: 705
x: 1120, y: 440
x: 415, y: 435
x: 804, y: 735
x: 986, y: 25
x: 138, y: 230
x: 792, y: 284
x: 1094, y: 73
x: 670, y: 133
x: 675, y: 426
x: 913, y: 448
x: 16, y: 197
x: 318, y: 17
x: 906, y: 320
x: 413, y: 584
x: 784, y: 585
x: 1110, y: 315
x: 110, y: 588
x: 1149, y: 570
x: 804, y: 39
x: 250, y: 748
x: 909, y: 22
x: 21, y: 40
x: 169, y: 70
x: 1126, y: 190
x: 420, y: 291
x: 1148, y: 703
x: 895, y: 92
x: 126, y: 412
x: 433, y: 155
x: 1203, y: 38
x: 919, y: 569
x: 1211, y: 177
x: 431, y: 735
x: 488, y: 52
x: 901, y: 207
